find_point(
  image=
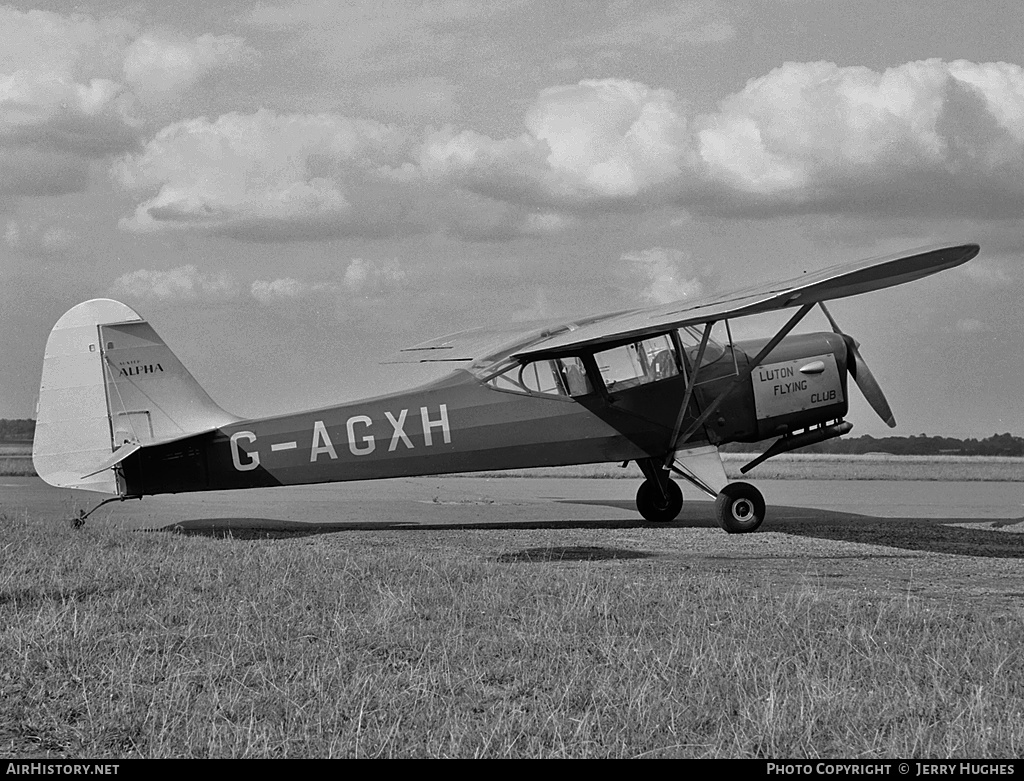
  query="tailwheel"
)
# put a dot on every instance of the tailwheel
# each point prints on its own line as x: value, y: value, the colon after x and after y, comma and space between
x: 740, y: 508
x: 656, y: 506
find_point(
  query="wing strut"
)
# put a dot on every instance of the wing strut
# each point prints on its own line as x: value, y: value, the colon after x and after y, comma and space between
x: 740, y: 378
x: 691, y: 383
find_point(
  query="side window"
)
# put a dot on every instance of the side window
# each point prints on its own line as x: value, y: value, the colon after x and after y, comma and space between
x: 575, y: 375
x: 660, y: 354
x: 637, y: 363
x: 535, y: 378
x: 541, y: 377
x: 561, y: 377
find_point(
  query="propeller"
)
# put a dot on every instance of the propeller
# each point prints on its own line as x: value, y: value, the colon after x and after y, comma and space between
x: 862, y: 374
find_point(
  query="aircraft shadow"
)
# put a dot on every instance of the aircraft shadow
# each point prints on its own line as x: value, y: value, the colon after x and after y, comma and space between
x: 932, y: 535
x: 272, y: 528
x: 917, y: 534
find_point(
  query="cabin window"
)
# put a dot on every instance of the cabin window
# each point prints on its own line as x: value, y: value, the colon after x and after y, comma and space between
x: 575, y: 376
x: 638, y: 363
x: 559, y: 377
x: 541, y: 377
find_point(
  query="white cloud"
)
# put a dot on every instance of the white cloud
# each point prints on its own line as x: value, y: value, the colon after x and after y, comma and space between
x: 665, y: 275
x: 190, y: 283
x: 985, y: 272
x: 74, y: 47
x: 612, y: 138
x: 606, y: 140
x: 971, y: 326
x: 948, y: 135
x: 278, y: 171
x: 366, y: 277
x: 926, y: 137
x: 266, y: 176
x: 37, y: 238
x: 161, y: 64
x: 288, y: 289
x: 185, y: 283
x: 75, y: 88
x: 360, y: 278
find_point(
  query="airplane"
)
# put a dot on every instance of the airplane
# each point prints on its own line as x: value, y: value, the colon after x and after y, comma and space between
x: 119, y: 414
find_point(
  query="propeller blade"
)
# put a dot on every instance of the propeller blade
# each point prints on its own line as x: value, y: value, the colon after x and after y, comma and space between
x: 869, y: 387
x: 862, y: 375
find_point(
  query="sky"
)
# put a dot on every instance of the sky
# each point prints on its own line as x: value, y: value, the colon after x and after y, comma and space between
x: 291, y: 192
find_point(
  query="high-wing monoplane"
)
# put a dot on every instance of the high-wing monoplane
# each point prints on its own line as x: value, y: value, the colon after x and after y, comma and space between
x: 119, y: 414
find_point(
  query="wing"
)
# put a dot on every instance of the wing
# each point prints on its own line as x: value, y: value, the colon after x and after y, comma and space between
x: 836, y: 282
x: 480, y: 346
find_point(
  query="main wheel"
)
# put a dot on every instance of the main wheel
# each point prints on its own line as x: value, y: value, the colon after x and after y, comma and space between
x: 657, y: 507
x: 740, y: 508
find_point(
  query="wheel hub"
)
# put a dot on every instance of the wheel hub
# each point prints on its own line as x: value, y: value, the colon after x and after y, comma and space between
x: 742, y: 509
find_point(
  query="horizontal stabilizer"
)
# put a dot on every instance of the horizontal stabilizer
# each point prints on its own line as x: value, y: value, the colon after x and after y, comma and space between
x: 116, y: 458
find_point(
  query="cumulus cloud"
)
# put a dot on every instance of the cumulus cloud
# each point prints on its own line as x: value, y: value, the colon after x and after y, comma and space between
x: 283, y: 176
x: 817, y: 136
x: 264, y: 170
x: 185, y: 283
x: 70, y: 90
x: 599, y: 140
x: 665, y: 275
x: 925, y: 137
x: 366, y: 277
x: 270, y: 176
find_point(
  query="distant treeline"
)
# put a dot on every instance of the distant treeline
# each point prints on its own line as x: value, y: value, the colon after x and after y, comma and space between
x: 17, y: 430
x: 919, y: 445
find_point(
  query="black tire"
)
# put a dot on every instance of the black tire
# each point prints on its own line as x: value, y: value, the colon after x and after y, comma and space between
x: 656, y: 507
x: 740, y: 508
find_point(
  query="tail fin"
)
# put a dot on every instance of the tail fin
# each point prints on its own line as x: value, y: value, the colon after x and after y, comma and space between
x: 111, y: 385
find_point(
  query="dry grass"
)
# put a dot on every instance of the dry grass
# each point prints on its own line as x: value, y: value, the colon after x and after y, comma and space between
x: 465, y: 644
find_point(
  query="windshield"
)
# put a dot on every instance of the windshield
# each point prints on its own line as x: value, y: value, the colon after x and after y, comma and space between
x: 691, y: 336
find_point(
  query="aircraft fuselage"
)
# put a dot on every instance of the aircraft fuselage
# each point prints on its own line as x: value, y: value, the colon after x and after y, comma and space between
x: 461, y: 424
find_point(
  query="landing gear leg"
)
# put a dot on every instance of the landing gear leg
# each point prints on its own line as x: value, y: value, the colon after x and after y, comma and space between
x: 659, y: 498
x: 739, y: 508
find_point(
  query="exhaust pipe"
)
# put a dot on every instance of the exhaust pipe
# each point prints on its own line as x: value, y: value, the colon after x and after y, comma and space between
x: 803, y: 439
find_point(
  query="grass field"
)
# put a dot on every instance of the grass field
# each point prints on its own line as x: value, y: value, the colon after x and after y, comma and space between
x: 474, y: 644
